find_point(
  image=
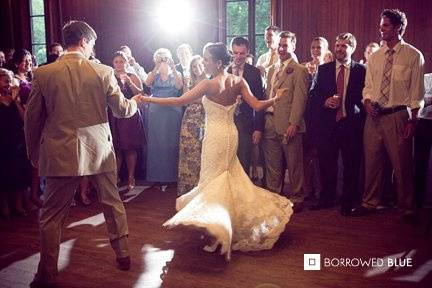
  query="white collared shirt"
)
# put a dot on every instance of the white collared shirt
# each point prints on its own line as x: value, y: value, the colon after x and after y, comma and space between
x: 240, y: 69
x: 346, y: 79
x: 266, y: 59
x: 407, y: 84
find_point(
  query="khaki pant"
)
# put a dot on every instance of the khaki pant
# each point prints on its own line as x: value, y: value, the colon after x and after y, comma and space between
x: 275, y: 152
x: 385, y: 134
x: 58, y: 197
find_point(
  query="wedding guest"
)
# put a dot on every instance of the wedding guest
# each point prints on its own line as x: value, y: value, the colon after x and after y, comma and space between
x: 370, y: 48
x: 128, y: 133
x: 23, y: 67
x: 163, y: 123
x: 191, y: 134
x: 134, y: 66
x: 15, y: 171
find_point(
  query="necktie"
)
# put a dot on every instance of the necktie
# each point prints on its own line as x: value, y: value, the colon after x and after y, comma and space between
x: 274, y: 83
x: 385, y: 84
x: 340, y: 83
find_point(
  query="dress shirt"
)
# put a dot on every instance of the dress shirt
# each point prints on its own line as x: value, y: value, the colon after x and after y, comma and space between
x: 238, y: 70
x: 407, y: 84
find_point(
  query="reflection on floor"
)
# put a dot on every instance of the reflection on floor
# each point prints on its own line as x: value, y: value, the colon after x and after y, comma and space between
x: 162, y: 258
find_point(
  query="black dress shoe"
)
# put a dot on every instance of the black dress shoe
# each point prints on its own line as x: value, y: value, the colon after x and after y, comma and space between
x: 345, y: 211
x: 361, y: 211
x: 124, y: 263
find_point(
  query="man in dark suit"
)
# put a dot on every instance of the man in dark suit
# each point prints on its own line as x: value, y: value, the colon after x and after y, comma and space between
x: 338, y: 120
x: 250, y: 123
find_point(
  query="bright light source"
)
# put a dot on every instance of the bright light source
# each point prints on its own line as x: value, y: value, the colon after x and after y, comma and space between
x: 174, y: 15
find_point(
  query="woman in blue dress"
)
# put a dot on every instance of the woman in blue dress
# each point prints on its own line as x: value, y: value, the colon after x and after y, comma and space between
x: 163, y: 123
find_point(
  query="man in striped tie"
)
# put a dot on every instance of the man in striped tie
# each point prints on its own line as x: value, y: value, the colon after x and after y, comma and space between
x: 392, y: 95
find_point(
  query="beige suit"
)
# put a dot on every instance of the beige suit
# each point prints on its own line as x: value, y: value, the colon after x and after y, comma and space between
x: 291, y: 84
x: 67, y: 133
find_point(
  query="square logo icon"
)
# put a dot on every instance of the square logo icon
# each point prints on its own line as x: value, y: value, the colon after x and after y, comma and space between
x: 312, y: 262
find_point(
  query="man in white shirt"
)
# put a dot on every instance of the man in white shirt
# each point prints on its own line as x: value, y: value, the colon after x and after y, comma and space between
x: 394, y: 83
x: 134, y: 66
x: 271, y: 56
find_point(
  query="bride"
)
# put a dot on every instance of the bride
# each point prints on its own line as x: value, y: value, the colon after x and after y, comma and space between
x: 237, y: 214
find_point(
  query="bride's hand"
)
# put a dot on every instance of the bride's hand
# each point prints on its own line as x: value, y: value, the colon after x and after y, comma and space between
x: 140, y: 98
x: 277, y: 97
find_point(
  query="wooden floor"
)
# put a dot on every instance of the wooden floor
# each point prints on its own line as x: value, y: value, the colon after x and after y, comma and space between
x: 164, y: 258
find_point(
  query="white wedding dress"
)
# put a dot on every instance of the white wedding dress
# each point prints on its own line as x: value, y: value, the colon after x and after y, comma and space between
x: 240, y: 215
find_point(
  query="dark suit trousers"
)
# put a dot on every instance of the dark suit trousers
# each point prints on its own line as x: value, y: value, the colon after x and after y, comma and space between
x: 422, y: 150
x: 344, y: 137
x: 244, y: 150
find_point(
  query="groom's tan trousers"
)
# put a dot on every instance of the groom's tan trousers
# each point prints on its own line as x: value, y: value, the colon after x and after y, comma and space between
x: 58, y: 197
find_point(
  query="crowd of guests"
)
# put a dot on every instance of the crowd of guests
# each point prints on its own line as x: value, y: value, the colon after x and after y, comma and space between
x: 365, y: 111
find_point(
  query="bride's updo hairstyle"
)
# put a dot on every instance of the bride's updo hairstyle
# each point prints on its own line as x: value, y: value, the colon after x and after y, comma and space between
x: 219, y: 51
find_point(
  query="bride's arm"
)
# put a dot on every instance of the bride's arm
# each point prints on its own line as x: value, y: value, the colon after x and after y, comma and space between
x: 187, y: 98
x: 256, y: 104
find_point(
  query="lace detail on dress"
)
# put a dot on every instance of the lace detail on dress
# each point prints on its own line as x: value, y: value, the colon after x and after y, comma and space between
x: 240, y: 215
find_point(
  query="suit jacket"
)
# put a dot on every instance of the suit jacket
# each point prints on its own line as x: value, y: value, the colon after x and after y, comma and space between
x: 66, y: 122
x: 293, y: 85
x: 250, y: 119
x: 324, y: 86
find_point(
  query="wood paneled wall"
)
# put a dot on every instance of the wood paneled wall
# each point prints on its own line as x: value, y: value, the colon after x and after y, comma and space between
x: 132, y: 22
x: 14, y: 24
x: 328, y: 18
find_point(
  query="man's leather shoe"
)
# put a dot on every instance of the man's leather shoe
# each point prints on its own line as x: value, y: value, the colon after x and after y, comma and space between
x: 124, y: 263
x: 361, y: 211
x: 345, y: 211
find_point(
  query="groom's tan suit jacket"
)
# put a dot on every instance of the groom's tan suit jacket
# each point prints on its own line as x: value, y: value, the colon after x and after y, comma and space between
x: 292, y: 85
x: 66, y: 124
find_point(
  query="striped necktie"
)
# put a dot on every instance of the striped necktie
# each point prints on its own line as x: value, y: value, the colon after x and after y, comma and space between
x: 385, y: 84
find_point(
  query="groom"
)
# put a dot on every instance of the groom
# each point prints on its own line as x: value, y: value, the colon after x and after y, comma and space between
x: 68, y: 136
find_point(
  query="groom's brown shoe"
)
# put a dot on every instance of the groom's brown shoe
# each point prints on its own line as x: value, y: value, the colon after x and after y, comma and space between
x: 123, y: 263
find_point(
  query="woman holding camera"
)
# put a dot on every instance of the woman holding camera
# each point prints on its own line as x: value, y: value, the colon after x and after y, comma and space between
x: 163, y: 123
